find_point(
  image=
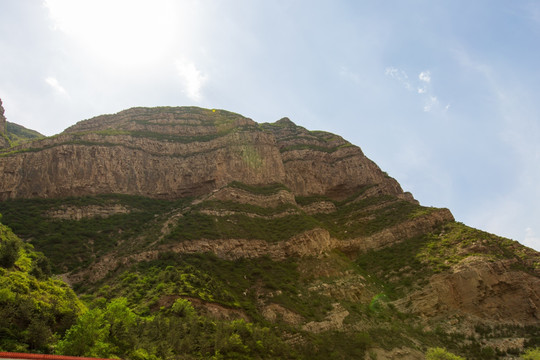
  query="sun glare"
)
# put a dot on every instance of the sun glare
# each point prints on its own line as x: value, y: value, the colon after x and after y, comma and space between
x: 123, y: 32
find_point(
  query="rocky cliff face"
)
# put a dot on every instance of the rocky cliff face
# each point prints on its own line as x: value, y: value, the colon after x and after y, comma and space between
x: 294, y: 226
x: 3, y: 128
x: 178, y: 152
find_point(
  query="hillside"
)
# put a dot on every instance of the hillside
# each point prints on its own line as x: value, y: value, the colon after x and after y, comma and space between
x: 257, y: 241
x: 11, y: 133
x: 33, y: 305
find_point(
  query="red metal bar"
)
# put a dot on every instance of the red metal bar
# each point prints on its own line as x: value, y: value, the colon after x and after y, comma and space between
x: 11, y: 355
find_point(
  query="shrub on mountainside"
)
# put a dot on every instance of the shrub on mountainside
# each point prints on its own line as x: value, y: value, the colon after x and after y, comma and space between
x: 33, y: 306
x: 441, y: 354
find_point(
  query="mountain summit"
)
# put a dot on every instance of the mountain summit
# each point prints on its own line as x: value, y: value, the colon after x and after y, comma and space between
x: 176, y: 152
x: 234, y: 239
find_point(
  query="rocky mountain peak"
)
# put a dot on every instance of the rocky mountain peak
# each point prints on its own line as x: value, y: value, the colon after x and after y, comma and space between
x: 3, y: 126
x: 285, y: 122
x: 174, y: 152
x: 267, y: 223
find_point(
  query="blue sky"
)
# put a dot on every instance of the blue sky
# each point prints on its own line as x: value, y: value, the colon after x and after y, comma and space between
x: 443, y: 95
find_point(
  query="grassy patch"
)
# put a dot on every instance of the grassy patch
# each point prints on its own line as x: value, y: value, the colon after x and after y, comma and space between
x: 72, y: 244
x: 367, y: 216
x: 267, y: 189
x: 194, y: 225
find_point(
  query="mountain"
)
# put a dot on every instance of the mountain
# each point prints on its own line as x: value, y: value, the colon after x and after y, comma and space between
x: 11, y: 133
x: 33, y: 305
x: 257, y: 241
x: 172, y: 153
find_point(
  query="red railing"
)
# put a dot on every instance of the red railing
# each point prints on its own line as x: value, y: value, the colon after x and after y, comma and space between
x: 11, y: 355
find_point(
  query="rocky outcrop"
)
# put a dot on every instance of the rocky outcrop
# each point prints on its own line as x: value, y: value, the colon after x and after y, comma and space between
x: 333, y: 321
x: 421, y: 225
x: 178, y: 152
x: 313, y: 242
x: 318, y: 162
x: 75, y: 169
x: 276, y: 312
x: 245, y: 197
x: 90, y: 211
x: 4, y: 142
x: 482, y: 288
x: 402, y: 353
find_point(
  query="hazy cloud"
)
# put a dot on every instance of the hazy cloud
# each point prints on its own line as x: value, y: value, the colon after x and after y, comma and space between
x: 431, y: 102
x: 425, y: 76
x: 192, y: 79
x: 531, y: 239
x: 53, y: 83
x: 422, y: 86
x: 400, y: 75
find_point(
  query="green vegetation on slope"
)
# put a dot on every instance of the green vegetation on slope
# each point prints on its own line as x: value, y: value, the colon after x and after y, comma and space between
x: 165, y: 305
x: 34, y: 308
x: 72, y: 244
x: 115, y: 331
x: 18, y: 134
x: 195, y: 225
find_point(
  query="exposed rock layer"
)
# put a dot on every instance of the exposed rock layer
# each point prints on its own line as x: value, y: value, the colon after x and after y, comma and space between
x: 3, y: 126
x: 178, y: 152
x: 482, y: 288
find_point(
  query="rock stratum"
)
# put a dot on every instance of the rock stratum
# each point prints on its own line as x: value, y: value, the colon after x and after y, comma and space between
x: 270, y: 224
x: 4, y: 142
x: 178, y: 152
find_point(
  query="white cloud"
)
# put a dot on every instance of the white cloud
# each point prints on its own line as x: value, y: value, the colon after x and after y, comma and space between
x: 53, y: 82
x: 431, y: 103
x: 192, y: 79
x: 531, y: 239
x: 422, y: 86
x: 400, y: 75
x: 425, y: 76
x: 121, y: 32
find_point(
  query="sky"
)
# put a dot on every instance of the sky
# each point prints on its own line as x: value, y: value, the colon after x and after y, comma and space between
x: 442, y: 95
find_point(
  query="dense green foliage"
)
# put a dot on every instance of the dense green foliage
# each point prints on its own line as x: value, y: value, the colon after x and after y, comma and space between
x: 18, y: 134
x: 531, y: 354
x: 71, y: 244
x: 33, y: 306
x: 113, y: 330
x: 195, y: 225
x: 234, y: 284
x: 441, y: 354
x: 200, y: 306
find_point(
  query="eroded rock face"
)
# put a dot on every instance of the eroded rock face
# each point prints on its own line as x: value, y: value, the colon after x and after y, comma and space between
x: 334, y: 320
x: 318, y: 162
x: 244, y: 197
x: 482, y: 288
x: 3, y: 130
x: 392, y: 235
x: 90, y: 211
x: 177, y: 152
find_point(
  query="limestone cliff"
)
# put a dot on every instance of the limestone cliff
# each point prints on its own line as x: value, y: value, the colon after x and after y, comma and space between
x: 186, y: 151
x: 266, y: 221
x: 4, y: 142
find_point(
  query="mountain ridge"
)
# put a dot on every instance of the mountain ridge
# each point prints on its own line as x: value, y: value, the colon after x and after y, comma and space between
x: 201, y: 216
x: 177, y: 141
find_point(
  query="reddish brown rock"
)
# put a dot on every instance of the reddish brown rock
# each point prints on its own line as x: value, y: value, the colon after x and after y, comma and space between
x: 177, y: 152
x: 3, y: 128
